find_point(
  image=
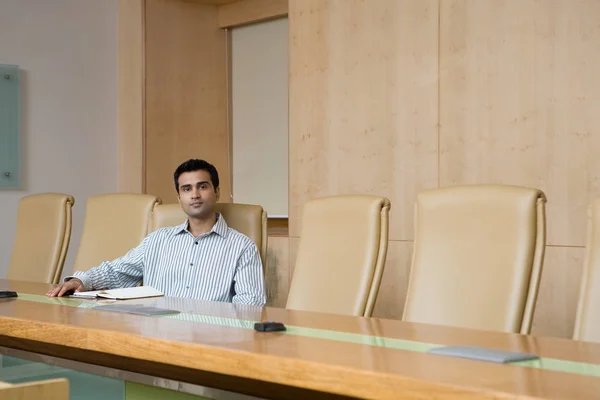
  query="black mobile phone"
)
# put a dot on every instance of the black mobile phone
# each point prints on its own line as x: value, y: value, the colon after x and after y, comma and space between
x: 269, y: 326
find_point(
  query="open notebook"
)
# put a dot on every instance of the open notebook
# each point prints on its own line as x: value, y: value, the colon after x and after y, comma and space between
x: 137, y: 292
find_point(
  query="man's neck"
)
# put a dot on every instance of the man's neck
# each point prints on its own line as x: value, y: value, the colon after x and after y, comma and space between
x: 199, y: 226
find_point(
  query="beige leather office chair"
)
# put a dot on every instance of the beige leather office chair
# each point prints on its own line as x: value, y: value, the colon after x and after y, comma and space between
x: 341, y: 255
x: 51, y: 389
x: 477, y: 257
x: 42, y: 237
x: 249, y: 219
x: 587, y: 321
x: 114, y: 224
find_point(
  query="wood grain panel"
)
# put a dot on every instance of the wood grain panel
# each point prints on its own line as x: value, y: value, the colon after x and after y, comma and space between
x: 394, y: 283
x: 244, y: 12
x: 363, y: 102
x: 277, y: 273
x: 213, y: 2
x: 559, y: 292
x: 186, y: 93
x: 519, y: 93
x: 131, y: 96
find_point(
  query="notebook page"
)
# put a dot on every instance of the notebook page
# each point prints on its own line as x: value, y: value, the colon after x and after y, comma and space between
x: 137, y: 292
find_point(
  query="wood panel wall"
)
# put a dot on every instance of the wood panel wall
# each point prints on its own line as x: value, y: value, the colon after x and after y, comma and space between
x: 186, y: 93
x: 364, y: 113
x: 390, y: 97
x: 363, y: 102
x: 131, y: 96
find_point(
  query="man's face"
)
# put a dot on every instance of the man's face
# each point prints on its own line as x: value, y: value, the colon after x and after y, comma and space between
x: 197, y: 196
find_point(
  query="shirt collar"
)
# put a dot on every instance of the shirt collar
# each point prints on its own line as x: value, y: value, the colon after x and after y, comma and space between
x: 220, y: 227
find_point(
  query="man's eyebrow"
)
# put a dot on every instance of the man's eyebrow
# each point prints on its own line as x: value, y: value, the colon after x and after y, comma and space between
x: 197, y: 183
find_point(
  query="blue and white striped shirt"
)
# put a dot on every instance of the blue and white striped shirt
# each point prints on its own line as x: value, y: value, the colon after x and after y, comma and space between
x: 220, y: 265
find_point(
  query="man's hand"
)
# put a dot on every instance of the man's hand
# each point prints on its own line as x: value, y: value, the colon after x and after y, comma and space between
x: 74, y: 284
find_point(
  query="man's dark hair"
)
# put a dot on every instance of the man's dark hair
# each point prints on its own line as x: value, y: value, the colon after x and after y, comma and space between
x: 197, y: 165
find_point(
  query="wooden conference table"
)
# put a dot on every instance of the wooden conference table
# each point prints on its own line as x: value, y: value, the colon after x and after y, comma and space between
x: 213, y: 346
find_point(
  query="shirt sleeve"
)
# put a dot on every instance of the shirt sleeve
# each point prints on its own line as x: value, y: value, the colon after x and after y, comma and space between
x: 125, y: 271
x: 249, y: 286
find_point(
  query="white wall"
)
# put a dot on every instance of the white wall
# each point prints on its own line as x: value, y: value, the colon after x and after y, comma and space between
x: 260, y: 115
x: 67, y: 50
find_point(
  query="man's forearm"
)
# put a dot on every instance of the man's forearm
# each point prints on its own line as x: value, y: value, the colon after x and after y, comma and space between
x: 107, y: 276
x: 251, y: 299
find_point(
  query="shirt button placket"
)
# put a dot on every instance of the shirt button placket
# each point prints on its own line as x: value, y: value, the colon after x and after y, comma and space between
x: 193, y: 256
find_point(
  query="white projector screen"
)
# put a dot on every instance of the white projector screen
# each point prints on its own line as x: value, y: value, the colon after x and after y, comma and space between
x: 259, y: 70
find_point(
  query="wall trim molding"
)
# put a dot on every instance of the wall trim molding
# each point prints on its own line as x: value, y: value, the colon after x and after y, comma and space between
x: 243, y: 12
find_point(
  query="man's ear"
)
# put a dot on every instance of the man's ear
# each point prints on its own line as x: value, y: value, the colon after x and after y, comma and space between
x: 218, y: 193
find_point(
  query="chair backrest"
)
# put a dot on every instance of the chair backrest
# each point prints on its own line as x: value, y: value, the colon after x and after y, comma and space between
x: 114, y: 224
x: 41, y: 238
x: 341, y: 255
x: 50, y: 389
x: 477, y: 258
x: 587, y: 321
x: 248, y: 219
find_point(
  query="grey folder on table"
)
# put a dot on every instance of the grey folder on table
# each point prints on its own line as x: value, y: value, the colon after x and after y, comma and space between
x: 483, y: 354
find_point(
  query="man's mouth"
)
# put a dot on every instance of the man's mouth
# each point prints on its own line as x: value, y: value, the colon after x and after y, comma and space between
x: 198, y: 204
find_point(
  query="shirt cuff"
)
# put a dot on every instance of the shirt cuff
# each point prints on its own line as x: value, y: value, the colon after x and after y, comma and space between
x: 82, y: 277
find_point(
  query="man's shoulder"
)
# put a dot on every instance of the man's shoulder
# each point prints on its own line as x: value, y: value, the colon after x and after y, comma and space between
x: 163, y: 233
x: 239, y: 238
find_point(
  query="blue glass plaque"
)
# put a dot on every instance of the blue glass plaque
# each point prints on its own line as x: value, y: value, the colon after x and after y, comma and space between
x: 10, y: 94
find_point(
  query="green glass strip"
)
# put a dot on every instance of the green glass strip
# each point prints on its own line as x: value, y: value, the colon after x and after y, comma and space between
x: 571, y: 367
x: 50, y: 300
x: 377, y: 341
x: 137, y: 391
x: 549, y: 364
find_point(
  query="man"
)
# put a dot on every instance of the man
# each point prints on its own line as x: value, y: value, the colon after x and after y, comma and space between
x: 200, y: 259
